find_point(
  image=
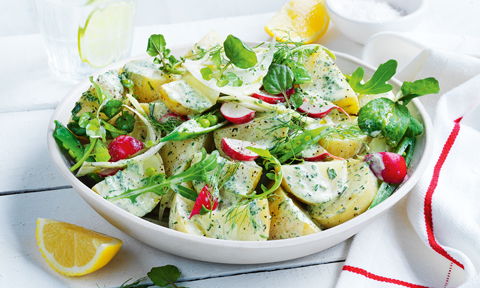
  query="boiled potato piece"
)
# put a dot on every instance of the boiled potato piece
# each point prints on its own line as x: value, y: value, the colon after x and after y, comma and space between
x: 362, y: 187
x: 208, y: 41
x: 188, y: 96
x: 177, y: 155
x: 131, y: 178
x: 329, y: 83
x: 147, y: 79
x: 259, y: 130
x: 249, y: 222
x: 243, y: 181
x: 110, y: 82
x: 315, y: 182
x: 288, y: 220
x: 344, y: 147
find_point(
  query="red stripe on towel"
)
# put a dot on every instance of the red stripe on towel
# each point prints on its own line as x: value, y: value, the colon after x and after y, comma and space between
x: 431, y: 188
x: 380, y: 278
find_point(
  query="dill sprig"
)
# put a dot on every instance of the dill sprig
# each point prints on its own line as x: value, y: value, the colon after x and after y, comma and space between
x: 165, y: 125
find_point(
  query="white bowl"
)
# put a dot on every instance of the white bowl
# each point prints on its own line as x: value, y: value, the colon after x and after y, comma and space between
x: 360, y: 31
x: 227, y: 251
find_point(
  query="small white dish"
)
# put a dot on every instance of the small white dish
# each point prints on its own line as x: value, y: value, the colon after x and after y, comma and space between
x: 360, y: 30
x: 228, y: 251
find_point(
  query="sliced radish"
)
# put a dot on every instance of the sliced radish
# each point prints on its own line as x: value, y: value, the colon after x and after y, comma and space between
x: 236, y: 114
x: 170, y: 115
x: 269, y: 98
x: 237, y: 149
x: 123, y: 146
x: 387, y: 166
x: 321, y: 156
x: 205, y: 202
x: 108, y: 172
x: 319, y: 110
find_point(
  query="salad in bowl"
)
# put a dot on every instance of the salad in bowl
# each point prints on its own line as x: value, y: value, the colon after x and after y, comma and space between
x: 234, y: 142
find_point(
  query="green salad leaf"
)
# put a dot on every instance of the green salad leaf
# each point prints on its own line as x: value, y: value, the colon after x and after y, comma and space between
x: 377, y: 84
x: 418, y: 88
x: 239, y: 53
x: 164, y: 276
x: 278, y: 80
x: 392, y: 120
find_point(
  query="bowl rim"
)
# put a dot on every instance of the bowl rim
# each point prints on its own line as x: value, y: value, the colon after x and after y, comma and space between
x: 88, y: 195
x: 407, y: 17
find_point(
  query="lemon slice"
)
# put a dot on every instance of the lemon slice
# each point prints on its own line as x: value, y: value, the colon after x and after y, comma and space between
x: 72, y: 250
x: 107, y: 34
x: 299, y: 20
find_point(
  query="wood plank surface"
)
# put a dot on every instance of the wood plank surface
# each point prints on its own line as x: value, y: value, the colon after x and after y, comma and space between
x: 19, y: 252
x: 26, y: 164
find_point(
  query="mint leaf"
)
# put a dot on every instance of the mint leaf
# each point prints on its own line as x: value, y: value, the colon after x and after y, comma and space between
x: 418, y: 88
x: 278, y: 80
x: 377, y: 84
x: 239, y: 53
x: 164, y: 276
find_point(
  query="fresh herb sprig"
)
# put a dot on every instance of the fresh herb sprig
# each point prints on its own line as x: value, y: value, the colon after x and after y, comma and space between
x: 392, y: 120
x: 163, y: 276
x: 168, y: 63
x: 377, y: 84
x: 160, y: 185
x: 238, y: 54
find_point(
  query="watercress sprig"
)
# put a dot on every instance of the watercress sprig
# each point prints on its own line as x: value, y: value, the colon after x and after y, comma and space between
x: 157, y: 47
x: 237, y: 53
x: 392, y: 120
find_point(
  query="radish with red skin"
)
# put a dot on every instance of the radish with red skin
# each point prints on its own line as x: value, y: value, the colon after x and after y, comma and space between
x: 319, y: 111
x: 387, y: 166
x: 123, y: 146
x: 172, y: 115
x: 236, y: 114
x: 108, y: 172
x: 321, y: 156
x: 271, y: 99
x: 237, y: 149
x: 205, y: 200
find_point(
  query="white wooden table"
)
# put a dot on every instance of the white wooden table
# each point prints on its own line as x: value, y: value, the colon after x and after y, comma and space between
x: 32, y: 187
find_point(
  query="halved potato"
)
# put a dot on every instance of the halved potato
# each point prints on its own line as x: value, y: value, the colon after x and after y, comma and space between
x: 147, y: 79
x: 329, y: 83
x: 288, y: 220
x: 344, y: 147
x: 130, y: 178
x: 249, y: 222
x: 243, y: 181
x: 315, y: 182
x: 362, y: 187
x: 259, y: 130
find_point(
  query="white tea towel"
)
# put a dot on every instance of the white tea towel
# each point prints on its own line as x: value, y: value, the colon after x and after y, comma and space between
x: 431, y: 239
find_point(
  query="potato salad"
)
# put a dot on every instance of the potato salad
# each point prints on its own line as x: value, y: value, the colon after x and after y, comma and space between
x: 244, y: 143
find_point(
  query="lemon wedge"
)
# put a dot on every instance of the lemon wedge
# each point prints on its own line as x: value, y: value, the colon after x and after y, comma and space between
x: 299, y: 20
x: 73, y: 250
x: 107, y: 34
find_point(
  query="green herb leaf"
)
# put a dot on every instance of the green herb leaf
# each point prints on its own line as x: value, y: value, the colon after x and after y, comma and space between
x: 77, y: 108
x: 239, y: 53
x: 384, y: 117
x: 332, y: 174
x: 156, y: 45
x: 95, y: 130
x: 114, y: 130
x: 186, y: 192
x: 85, y: 119
x: 164, y: 276
x: 270, y: 163
x: 297, y: 98
x: 217, y: 59
x: 418, y: 88
x: 300, y: 73
x: 101, y: 152
x: 207, y: 73
x: 414, y: 128
x: 125, y: 122
x: 112, y: 107
x: 278, y: 80
x: 377, y: 84
x: 233, y: 79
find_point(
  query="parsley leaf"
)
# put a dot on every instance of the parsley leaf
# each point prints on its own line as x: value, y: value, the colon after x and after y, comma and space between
x: 377, y: 84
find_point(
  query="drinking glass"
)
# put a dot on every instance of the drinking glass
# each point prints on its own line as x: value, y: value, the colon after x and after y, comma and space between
x: 83, y: 35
